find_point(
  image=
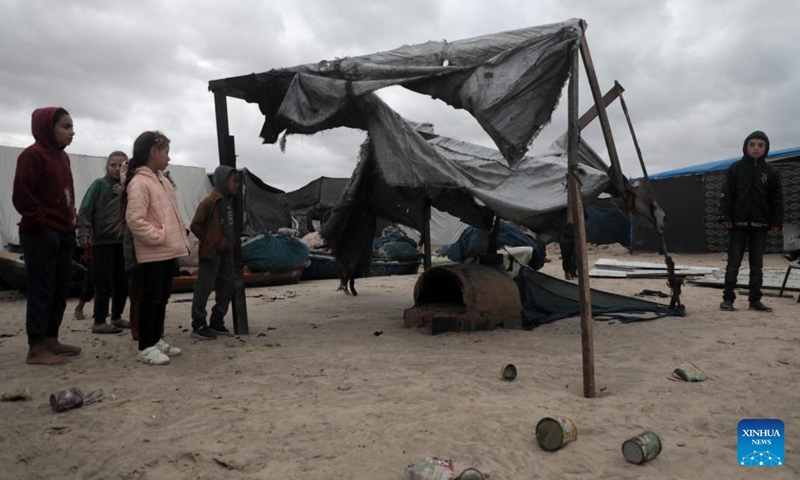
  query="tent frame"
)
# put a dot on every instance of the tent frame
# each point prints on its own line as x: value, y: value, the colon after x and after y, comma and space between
x: 231, y: 87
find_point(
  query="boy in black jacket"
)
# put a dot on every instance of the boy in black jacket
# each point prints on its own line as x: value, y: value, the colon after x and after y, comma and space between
x: 751, y: 205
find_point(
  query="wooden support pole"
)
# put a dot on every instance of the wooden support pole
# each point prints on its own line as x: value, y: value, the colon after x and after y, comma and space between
x: 617, y: 178
x: 673, y: 281
x: 426, y: 236
x: 575, y: 200
x: 227, y: 156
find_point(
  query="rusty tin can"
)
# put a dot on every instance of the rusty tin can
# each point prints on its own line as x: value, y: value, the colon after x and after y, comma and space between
x: 554, y: 433
x: 641, y: 448
x: 66, y: 399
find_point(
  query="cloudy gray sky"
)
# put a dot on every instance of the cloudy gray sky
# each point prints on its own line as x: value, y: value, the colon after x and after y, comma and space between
x: 699, y: 74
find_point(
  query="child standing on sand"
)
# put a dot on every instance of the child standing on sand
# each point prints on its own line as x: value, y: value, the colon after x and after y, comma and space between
x: 45, y: 198
x: 150, y: 208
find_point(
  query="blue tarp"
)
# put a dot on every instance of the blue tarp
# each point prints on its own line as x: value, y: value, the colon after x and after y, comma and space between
x: 277, y: 254
x: 720, y: 165
x: 395, y: 246
x: 473, y: 242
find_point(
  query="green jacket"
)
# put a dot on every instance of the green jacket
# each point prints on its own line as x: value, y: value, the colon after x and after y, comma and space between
x: 99, y: 210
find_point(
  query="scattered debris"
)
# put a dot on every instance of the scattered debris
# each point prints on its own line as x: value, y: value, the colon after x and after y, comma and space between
x: 612, y: 268
x: 651, y: 293
x: 66, y: 400
x: 431, y: 468
x: 17, y: 396
x: 690, y: 373
x: 773, y: 279
x: 284, y: 296
x: 93, y: 397
x: 508, y: 372
x: 378, y: 333
x: 6, y: 335
x: 641, y: 448
x: 471, y: 474
x: 554, y: 433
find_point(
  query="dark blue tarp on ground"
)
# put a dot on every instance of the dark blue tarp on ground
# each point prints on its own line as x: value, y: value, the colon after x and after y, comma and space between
x: 474, y: 242
x: 546, y: 299
x: 277, y: 253
x: 395, y: 246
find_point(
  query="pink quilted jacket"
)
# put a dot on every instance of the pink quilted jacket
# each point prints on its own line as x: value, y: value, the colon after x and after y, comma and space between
x: 154, y: 219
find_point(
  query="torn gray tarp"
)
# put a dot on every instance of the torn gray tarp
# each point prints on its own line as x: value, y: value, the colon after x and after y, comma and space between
x: 510, y: 82
x: 400, y: 171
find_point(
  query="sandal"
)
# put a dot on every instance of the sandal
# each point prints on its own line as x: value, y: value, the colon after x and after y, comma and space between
x: 106, y: 329
x: 120, y: 323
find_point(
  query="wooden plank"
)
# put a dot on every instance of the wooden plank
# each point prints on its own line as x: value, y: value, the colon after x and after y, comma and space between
x: 602, y: 273
x: 611, y: 95
x: 574, y: 187
x: 612, y: 263
x: 773, y: 279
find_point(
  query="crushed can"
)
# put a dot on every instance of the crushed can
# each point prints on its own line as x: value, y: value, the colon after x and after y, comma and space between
x: 641, y: 448
x: 66, y: 400
x: 554, y: 433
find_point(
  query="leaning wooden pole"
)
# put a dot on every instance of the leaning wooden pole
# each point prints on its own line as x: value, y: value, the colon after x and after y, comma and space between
x: 617, y: 179
x: 227, y: 156
x: 576, y: 207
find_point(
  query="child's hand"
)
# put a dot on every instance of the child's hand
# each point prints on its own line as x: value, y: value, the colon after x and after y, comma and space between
x: 117, y: 189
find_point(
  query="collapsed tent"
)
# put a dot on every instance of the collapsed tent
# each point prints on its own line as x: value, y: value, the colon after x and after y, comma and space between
x: 192, y: 186
x: 546, y: 299
x: 265, y: 206
x: 510, y: 82
x: 690, y: 199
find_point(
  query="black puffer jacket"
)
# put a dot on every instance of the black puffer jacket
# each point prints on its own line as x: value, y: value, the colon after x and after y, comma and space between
x: 751, y: 195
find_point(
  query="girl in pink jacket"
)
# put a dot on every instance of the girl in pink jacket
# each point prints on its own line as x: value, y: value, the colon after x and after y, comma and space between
x: 151, y: 213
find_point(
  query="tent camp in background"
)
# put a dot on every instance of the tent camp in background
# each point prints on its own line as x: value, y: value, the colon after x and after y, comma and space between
x: 265, y: 207
x: 690, y: 199
x: 325, y: 190
x: 192, y: 186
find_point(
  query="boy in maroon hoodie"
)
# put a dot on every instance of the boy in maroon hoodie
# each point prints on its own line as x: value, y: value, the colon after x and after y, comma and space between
x: 45, y: 198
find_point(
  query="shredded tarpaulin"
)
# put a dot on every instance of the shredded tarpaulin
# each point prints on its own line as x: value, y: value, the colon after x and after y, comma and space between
x: 510, y: 82
x: 546, y: 299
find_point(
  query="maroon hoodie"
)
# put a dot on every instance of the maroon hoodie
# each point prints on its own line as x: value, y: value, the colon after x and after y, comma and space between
x: 43, y: 191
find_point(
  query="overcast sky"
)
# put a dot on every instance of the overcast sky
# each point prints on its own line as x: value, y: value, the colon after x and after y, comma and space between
x: 699, y: 74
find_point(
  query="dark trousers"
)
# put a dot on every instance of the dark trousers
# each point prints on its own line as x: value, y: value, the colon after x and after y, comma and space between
x: 108, y: 274
x: 214, y: 275
x: 87, y: 292
x: 756, y: 242
x: 48, y: 258
x: 156, y: 289
x: 135, y: 294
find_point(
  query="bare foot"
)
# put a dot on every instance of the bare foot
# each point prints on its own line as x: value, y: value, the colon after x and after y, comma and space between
x: 79, y: 312
x: 39, y: 355
x: 55, y: 347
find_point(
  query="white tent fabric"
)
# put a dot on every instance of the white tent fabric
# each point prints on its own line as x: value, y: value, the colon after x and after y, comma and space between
x: 192, y: 183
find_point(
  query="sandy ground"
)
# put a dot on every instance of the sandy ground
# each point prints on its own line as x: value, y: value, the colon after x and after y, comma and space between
x: 314, y: 393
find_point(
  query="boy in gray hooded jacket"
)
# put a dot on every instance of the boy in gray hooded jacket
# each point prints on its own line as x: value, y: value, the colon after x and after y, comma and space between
x: 220, y: 243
